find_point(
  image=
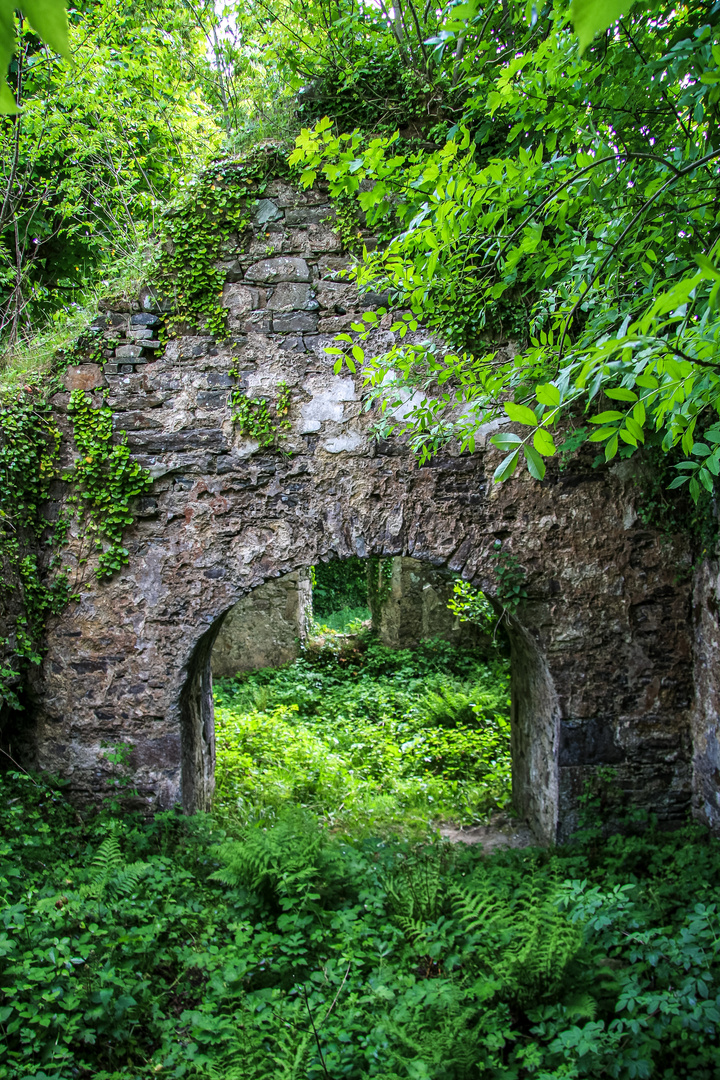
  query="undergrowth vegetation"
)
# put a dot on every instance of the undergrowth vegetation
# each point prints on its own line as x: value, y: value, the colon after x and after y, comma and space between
x: 182, y: 947
x: 371, y: 738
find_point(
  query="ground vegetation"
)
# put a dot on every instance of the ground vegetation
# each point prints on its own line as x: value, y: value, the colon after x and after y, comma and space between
x: 191, y: 948
x: 367, y: 737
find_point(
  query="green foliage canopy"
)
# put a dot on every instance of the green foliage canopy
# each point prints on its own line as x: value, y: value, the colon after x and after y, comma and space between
x: 570, y: 210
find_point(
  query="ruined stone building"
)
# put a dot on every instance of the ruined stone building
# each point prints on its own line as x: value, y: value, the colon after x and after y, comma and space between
x: 614, y: 652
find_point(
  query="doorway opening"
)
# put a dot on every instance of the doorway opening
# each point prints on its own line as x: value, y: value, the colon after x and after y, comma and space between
x: 374, y: 693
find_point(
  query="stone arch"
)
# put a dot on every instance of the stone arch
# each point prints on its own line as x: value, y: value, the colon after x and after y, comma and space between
x: 603, y: 649
x: 534, y: 720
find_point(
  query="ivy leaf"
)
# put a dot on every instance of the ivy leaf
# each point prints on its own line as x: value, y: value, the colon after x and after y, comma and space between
x: 589, y: 17
x: 506, y: 467
x: 520, y: 414
x: 543, y: 442
x: 535, y: 464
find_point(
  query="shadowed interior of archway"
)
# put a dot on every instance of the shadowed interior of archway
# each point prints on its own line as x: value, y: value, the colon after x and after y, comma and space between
x: 405, y: 604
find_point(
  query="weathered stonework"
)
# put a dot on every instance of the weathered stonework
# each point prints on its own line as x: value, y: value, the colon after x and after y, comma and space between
x: 706, y: 710
x: 602, y: 648
x: 267, y: 628
x: 415, y: 607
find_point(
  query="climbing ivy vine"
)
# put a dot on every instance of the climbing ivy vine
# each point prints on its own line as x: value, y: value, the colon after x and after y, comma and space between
x: 256, y: 419
x: 214, y: 207
x: 104, y: 479
x: 29, y: 446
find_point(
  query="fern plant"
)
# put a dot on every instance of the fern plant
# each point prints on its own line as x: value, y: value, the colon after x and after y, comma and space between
x: 110, y: 877
x: 287, y: 865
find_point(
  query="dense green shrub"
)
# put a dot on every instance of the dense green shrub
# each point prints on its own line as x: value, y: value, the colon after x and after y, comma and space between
x: 371, y: 738
x: 340, y: 583
x: 132, y: 949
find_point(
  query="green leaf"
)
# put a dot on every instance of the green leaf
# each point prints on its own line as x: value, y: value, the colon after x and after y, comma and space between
x: 506, y: 467
x: 606, y: 417
x: 634, y: 428
x: 49, y: 19
x: 535, y: 464
x: 620, y: 393
x: 7, y: 49
x: 504, y: 440
x: 611, y: 449
x: 602, y: 434
x: 520, y: 414
x: 590, y: 17
x: 543, y: 442
x: 548, y: 394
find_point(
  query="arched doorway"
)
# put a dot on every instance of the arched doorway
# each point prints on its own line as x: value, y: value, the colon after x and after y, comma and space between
x: 412, y: 612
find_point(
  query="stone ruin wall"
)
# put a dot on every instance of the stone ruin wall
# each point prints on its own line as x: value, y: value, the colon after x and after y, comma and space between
x: 603, y: 651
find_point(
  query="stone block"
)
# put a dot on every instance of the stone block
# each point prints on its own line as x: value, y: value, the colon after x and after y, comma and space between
x: 256, y: 322
x: 211, y: 399
x: 296, y: 321
x: 266, y: 628
x: 84, y: 377
x: 333, y: 294
x: 233, y: 270
x: 309, y: 215
x: 239, y: 298
x: 332, y: 267
x: 266, y: 211
x: 156, y: 302
x: 289, y: 296
x: 334, y: 324
x: 345, y: 443
x: 140, y: 334
x: 144, y: 318
x: 283, y: 268
x: 128, y: 352
x: 315, y: 239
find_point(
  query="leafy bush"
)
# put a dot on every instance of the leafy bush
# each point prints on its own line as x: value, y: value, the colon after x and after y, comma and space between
x: 132, y: 949
x: 340, y: 583
x: 372, y: 739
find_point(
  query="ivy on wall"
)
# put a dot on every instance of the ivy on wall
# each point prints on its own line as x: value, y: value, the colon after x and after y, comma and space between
x: 215, y: 207
x: 256, y: 419
x: 29, y: 446
x: 104, y: 480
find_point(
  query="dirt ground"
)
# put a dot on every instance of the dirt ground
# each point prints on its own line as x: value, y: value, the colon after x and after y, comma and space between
x: 501, y: 832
